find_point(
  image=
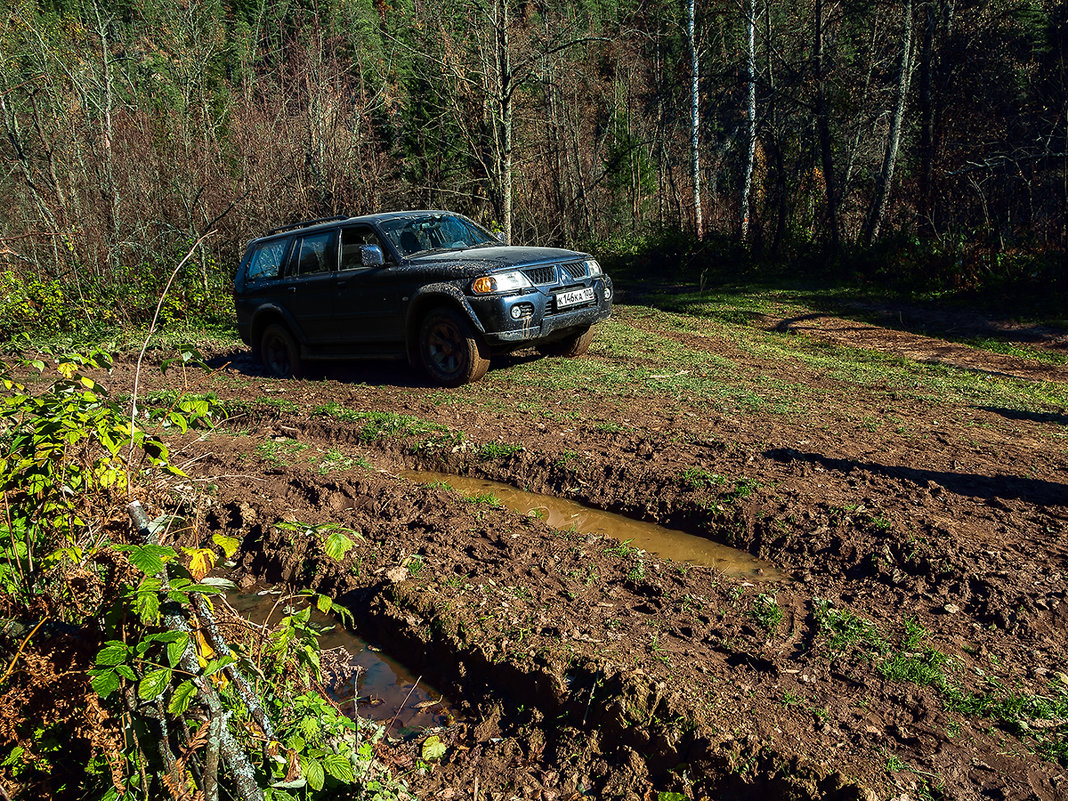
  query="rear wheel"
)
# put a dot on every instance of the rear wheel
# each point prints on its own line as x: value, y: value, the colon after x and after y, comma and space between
x: 451, y: 351
x: 279, y: 352
x: 574, y: 345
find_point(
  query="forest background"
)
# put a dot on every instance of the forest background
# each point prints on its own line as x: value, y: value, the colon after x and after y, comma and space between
x: 916, y: 144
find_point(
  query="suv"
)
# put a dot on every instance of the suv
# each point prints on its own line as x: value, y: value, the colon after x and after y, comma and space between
x: 429, y: 285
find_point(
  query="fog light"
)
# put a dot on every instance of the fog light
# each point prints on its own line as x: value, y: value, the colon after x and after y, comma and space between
x: 521, y: 310
x: 607, y: 292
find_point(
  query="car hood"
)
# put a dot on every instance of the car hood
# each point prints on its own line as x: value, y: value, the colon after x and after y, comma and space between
x: 496, y: 257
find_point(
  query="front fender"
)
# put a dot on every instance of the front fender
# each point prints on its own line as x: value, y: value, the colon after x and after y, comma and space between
x: 426, y: 298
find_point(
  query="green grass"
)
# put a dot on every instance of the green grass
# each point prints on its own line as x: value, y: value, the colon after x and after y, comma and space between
x: 280, y: 451
x: 1026, y: 714
x: 378, y: 425
x: 1017, y: 350
x: 773, y: 351
x: 498, y: 451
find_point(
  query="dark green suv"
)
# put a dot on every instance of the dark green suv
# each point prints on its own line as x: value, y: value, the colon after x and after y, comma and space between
x: 429, y: 285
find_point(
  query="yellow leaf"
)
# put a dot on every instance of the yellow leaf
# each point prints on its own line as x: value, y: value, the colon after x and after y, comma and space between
x: 204, y: 651
x: 201, y: 560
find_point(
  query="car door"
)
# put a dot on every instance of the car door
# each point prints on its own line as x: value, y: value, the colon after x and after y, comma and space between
x: 370, y: 302
x: 310, y: 286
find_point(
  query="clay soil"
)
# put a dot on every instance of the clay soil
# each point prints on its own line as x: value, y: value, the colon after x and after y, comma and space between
x: 913, y: 493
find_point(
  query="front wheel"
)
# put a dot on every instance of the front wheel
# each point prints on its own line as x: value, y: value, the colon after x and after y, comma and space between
x: 574, y: 345
x: 279, y: 352
x: 451, y: 351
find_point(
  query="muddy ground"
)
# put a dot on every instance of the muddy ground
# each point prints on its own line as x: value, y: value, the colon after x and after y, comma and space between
x: 913, y: 492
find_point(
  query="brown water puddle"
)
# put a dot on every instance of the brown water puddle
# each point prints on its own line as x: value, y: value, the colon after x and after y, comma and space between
x: 358, y: 677
x: 563, y: 514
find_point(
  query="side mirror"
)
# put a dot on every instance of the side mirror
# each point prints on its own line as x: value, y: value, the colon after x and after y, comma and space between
x: 501, y: 236
x: 371, y: 256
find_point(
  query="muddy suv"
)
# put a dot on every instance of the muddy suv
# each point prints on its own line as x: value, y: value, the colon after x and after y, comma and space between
x: 429, y: 285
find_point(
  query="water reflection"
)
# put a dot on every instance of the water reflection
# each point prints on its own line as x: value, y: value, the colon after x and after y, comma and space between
x: 563, y: 514
x: 356, y: 676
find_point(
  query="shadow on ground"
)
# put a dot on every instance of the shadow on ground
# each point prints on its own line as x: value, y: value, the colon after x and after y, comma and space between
x: 1033, y: 417
x: 988, y: 488
x: 373, y: 372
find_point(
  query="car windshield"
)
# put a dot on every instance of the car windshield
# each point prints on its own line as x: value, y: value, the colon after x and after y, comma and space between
x: 426, y: 232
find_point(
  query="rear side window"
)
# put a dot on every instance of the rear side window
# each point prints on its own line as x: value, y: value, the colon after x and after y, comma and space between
x: 314, y: 254
x: 266, y: 262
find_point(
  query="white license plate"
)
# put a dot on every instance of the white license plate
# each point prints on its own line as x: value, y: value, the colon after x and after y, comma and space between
x: 575, y: 297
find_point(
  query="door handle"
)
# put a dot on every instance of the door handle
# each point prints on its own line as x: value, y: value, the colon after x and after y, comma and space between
x: 341, y: 284
x: 292, y: 290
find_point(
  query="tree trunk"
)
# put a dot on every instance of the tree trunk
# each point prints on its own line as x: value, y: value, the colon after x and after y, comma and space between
x: 750, y: 132
x: 695, y: 117
x: 504, y: 65
x: 893, y: 139
x: 926, y: 146
x: 823, y: 126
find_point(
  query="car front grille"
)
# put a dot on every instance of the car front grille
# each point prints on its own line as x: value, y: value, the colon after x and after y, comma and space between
x: 541, y: 275
x: 576, y: 269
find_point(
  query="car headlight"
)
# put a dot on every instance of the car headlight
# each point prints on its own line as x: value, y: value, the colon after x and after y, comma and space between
x: 593, y: 268
x: 500, y: 282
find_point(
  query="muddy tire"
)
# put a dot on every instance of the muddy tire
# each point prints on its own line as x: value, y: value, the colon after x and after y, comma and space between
x: 279, y: 352
x: 451, y: 352
x: 574, y: 345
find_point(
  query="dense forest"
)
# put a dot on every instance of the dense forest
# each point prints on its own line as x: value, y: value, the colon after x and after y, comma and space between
x: 919, y: 141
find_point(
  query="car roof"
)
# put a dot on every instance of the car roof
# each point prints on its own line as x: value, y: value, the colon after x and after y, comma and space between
x: 335, y: 222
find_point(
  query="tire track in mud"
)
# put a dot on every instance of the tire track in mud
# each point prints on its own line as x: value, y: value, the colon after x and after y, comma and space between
x: 487, y: 665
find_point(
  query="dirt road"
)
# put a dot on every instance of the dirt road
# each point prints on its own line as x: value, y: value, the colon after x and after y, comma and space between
x: 916, y: 506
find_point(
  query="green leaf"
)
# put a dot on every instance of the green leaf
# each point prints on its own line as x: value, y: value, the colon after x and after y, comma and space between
x: 126, y: 672
x: 433, y: 748
x: 324, y: 604
x: 177, y: 648
x: 149, y: 559
x: 215, y: 665
x: 105, y: 683
x: 665, y: 796
x: 228, y: 544
x: 337, y: 545
x: 182, y: 697
x: 147, y: 606
x: 313, y: 772
x: 338, y: 766
x: 154, y: 683
x: 113, y: 653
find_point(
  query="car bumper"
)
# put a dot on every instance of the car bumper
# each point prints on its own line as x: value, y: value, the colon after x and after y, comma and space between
x: 543, y: 322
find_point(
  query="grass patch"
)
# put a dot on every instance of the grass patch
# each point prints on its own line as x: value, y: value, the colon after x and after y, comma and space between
x: 498, y: 451
x: 379, y: 425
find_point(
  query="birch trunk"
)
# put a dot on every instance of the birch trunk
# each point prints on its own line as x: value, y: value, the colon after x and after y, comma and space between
x: 893, y: 139
x: 823, y: 125
x: 695, y: 117
x: 750, y: 130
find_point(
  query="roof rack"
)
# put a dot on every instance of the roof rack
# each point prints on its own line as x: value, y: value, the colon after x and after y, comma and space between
x: 307, y: 223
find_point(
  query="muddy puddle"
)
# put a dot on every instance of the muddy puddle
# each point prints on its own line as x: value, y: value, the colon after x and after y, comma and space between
x: 357, y: 676
x: 564, y: 514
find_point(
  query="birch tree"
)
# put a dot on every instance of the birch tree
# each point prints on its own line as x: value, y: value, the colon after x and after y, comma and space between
x: 893, y: 138
x: 695, y: 116
x: 750, y: 107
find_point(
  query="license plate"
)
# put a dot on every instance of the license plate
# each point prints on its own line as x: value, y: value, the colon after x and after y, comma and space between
x: 575, y: 297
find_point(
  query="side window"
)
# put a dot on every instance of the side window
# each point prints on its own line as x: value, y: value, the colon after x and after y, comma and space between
x: 314, y: 254
x: 266, y: 262
x: 352, y: 239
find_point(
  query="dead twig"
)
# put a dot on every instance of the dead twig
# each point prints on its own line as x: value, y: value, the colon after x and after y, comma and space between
x: 144, y: 347
x: 18, y: 653
x: 403, y: 703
